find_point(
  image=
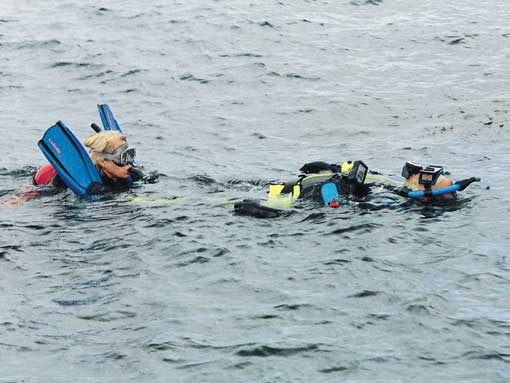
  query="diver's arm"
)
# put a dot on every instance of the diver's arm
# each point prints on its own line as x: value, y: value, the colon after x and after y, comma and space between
x: 408, y: 192
x: 27, y: 192
x: 319, y: 166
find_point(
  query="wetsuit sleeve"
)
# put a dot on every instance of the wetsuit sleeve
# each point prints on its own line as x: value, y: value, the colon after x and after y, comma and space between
x: 319, y: 166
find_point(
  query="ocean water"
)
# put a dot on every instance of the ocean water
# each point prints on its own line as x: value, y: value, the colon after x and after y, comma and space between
x: 166, y: 284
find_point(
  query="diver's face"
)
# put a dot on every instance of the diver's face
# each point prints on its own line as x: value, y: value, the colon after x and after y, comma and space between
x: 115, y: 172
x: 111, y: 169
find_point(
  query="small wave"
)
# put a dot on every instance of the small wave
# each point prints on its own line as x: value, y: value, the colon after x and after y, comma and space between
x: 96, y: 75
x: 36, y: 227
x: 110, y: 355
x: 102, y: 11
x: 38, y: 44
x: 108, y: 316
x: 26, y: 171
x: 221, y: 252
x: 338, y: 261
x: 6, y: 192
x: 5, y: 250
x: 293, y: 307
x: 455, y: 40
x: 333, y: 369
x: 132, y: 72
x: 241, y: 183
x: 190, y: 77
x: 365, y: 294
x: 162, y: 346
x: 299, y: 77
x: 366, y: 228
x: 12, y: 87
x: 203, y: 179
x: 198, y: 260
x: 194, y: 364
x: 418, y: 309
x: 266, y: 24
x: 242, y: 55
x: 260, y: 136
x: 266, y: 316
x: 60, y: 64
x: 266, y: 351
x: 292, y: 76
x: 315, y: 218
x: 77, y: 302
x: 366, y: 2
x: 162, y: 223
x: 499, y: 356
x: 482, y: 323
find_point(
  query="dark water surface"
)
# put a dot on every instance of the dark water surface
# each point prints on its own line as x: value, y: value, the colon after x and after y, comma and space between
x: 221, y: 97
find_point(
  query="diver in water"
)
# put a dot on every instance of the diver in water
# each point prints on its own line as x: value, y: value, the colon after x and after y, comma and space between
x: 327, y: 183
x: 428, y: 185
x: 320, y: 183
x: 334, y: 185
x: 110, y: 154
x: 109, y: 166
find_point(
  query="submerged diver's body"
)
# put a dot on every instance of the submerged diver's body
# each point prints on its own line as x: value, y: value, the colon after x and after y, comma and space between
x: 319, y: 183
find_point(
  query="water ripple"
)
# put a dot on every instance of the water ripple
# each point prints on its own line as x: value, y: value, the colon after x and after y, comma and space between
x: 268, y: 351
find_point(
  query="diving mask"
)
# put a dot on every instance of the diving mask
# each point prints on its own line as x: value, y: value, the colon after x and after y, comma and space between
x: 122, y: 156
x: 411, y: 168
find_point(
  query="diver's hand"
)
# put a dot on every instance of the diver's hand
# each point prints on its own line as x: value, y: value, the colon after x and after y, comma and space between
x: 139, y: 175
x: 136, y: 173
x: 151, y: 178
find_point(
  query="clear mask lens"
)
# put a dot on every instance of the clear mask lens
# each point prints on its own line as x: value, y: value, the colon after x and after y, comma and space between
x: 122, y: 156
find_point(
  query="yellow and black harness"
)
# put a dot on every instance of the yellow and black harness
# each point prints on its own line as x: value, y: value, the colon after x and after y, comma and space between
x: 349, y: 178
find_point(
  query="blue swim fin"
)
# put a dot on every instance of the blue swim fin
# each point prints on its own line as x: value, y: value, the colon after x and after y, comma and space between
x: 109, y: 122
x: 70, y: 160
x: 329, y: 193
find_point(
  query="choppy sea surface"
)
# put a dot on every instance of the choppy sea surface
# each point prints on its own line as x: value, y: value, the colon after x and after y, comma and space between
x: 166, y: 284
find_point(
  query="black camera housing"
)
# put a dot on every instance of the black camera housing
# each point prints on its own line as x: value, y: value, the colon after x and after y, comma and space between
x: 430, y: 175
x: 358, y: 173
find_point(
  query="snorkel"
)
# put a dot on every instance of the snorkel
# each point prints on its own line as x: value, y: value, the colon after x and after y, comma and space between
x: 457, y: 186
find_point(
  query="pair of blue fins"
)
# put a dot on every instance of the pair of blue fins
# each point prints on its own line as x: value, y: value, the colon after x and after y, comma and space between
x: 70, y: 159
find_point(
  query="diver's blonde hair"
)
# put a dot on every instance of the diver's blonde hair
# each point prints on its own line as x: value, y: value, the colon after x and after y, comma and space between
x: 101, y: 143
